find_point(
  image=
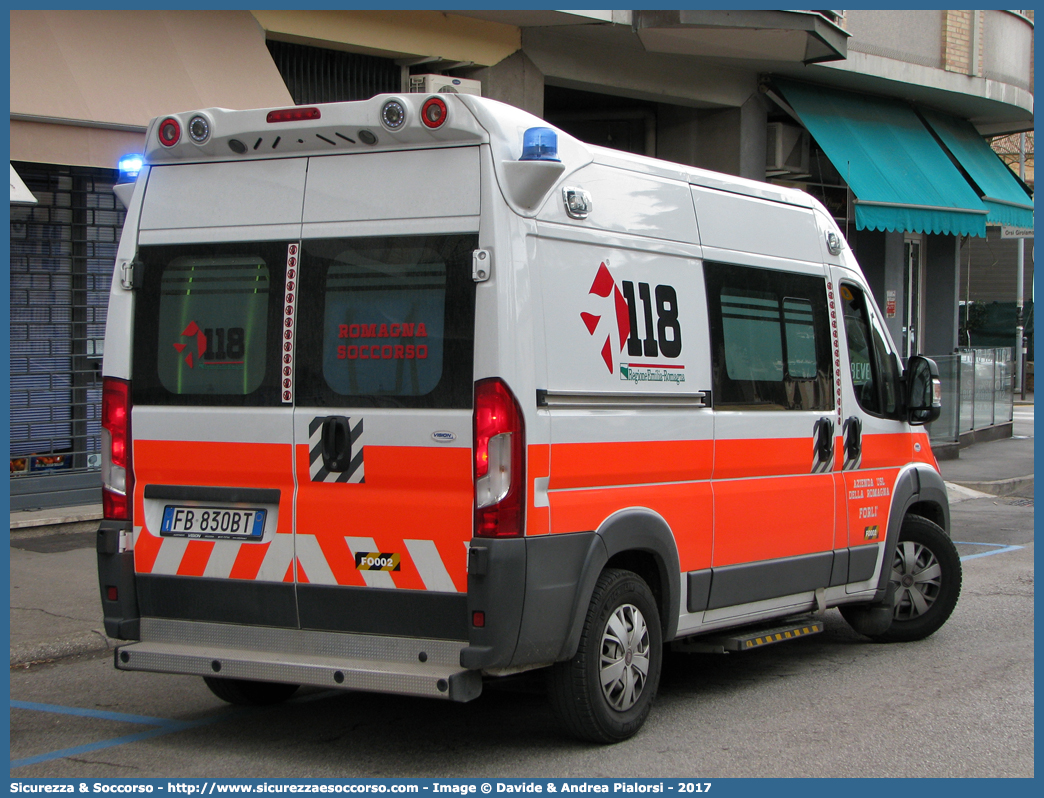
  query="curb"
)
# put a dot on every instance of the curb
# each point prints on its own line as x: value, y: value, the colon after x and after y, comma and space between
x: 999, y: 487
x: 72, y: 645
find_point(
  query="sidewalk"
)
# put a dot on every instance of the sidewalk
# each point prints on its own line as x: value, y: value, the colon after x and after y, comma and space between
x: 56, y: 608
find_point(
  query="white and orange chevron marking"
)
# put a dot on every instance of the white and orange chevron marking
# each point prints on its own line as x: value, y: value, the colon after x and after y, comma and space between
x: 282, y: 558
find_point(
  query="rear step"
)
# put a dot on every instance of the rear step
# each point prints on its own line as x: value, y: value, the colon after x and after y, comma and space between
x: 371, y: 663
x: 750, y: 637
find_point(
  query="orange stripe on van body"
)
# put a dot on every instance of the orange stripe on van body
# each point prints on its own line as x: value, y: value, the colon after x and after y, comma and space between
x: 583, y: 465
x: 146, y: 548
x: 926, y: 455
x: 194, y: 560
x: 410, y: 493
x: 538, y: 519
x: 762, y: 457
x: 890, y: 450
x: 248, y: 561
x: 763, y: 519
x: 686, y: 507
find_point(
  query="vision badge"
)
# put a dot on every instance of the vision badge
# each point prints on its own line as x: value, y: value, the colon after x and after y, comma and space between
x: 376, y: 561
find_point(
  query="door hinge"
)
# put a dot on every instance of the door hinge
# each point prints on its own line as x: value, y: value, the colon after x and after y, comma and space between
x: 481, y: 265
x: 131, y: 274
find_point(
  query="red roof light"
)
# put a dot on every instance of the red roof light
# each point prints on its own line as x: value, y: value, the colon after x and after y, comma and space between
x: 433, y: 112
x: 293, y: 115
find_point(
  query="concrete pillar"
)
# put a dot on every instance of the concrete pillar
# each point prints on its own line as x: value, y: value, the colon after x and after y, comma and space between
x: 516, y: 80
x: 753, y: 136
x: 733, y: 140
x: 718, y: 140
x: 677, y: 134
x: 941, y: 287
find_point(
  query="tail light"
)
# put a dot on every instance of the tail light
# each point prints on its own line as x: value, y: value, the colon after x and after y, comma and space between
x: 117, y: 476
x: 500, y: 443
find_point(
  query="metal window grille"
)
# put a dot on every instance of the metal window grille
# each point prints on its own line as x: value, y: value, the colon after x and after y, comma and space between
x: 62, y: 255
x: 317, y: 75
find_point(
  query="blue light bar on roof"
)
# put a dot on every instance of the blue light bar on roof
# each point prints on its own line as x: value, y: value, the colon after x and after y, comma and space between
x: 539, y: 144
x: 130, y: 165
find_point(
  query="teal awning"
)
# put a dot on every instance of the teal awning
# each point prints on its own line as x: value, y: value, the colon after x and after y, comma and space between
x: 1006, y: 200
x: 902, y: 179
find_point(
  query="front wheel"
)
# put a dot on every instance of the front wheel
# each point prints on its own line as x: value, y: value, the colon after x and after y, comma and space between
x: 604, y: 693
x: 926, y: 575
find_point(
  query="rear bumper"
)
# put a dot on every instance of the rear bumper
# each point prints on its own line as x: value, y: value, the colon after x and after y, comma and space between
x: 369, y: 663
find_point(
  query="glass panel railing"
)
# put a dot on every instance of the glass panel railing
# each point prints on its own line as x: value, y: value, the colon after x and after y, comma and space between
x: 1004, y: 387
x: 977, y: 391
x: 946, y: 428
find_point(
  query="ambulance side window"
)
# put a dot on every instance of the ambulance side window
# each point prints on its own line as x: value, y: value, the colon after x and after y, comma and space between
x: 875, y: 372
x: 770, y: 338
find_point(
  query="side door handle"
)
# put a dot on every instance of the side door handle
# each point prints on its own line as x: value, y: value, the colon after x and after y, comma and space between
x: 853, y: 431
x: 823, y: 433
x: 337, y: 443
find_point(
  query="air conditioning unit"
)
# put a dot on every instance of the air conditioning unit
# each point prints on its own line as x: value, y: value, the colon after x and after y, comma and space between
x: 786, y: 149
x: 442, y: 84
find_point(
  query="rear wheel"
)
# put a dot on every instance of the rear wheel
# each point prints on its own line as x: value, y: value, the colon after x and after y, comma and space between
x: 926, y: 575
x: 250, y: 693
x: 604, y: 693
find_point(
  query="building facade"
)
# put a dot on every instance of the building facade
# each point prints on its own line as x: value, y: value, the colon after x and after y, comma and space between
x: 883, y: 115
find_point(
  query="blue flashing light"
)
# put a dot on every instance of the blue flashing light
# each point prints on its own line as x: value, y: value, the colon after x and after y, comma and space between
x: 130, y: 165
x: 539, y: 144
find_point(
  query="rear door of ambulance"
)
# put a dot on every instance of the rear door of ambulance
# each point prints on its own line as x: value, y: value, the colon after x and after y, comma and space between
x: 213, y: 436
x: 383, y: 379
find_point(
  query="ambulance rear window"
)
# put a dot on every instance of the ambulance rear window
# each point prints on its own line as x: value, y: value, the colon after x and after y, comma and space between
x: 397, y: 323
x: 207, y: 323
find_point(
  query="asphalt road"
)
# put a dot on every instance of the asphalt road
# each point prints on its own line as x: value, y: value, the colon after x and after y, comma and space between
x: 957, y: 704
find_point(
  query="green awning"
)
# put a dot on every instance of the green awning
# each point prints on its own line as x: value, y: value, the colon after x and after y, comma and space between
x: 902, y: 179
x: 999, y: 190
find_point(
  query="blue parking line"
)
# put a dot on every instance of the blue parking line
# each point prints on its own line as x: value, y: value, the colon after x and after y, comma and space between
x: 83, y: 749
x: 90, y: 713
x: 998, y: 548
x: 163, y: 726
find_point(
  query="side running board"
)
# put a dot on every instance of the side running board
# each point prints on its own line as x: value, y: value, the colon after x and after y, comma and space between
x: 750, y: 637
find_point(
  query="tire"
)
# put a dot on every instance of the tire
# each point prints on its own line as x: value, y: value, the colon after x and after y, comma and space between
x: 622, y: 642
x: 926, y: 575
x: 250, y: 693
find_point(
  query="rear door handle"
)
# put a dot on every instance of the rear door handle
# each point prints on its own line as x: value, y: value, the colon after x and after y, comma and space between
x: 337, y: 443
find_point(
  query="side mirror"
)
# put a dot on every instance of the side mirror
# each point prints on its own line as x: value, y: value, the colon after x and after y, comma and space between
x: 923, y: 390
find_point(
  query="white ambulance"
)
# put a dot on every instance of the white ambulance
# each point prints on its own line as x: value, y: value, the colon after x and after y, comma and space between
x: 407, y: 394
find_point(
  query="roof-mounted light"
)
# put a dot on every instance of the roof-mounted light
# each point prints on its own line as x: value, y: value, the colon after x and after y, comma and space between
x: 433, y: 112
x: 539, y: 144
x: 293, y: 115
x: 393, y: 114
x: 199, y: 129
x: 129, y: 166
x: 169, y: 132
